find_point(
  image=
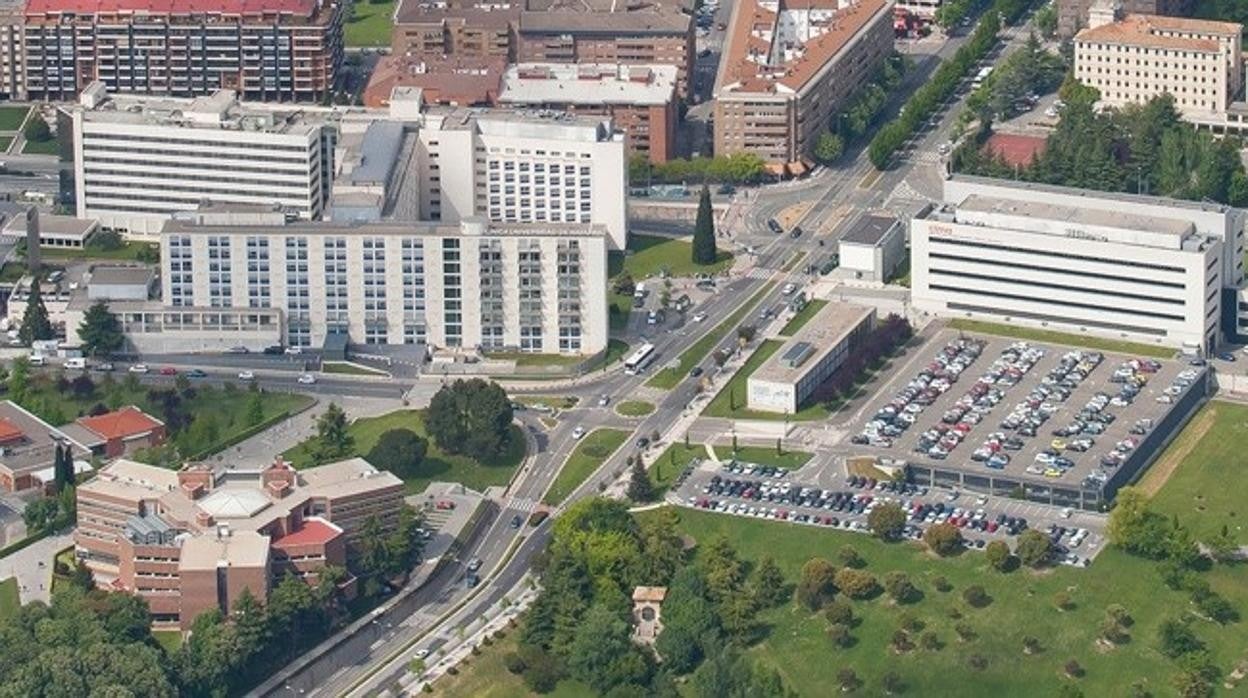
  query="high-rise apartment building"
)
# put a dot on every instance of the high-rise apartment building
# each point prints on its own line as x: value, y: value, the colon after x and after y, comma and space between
x: 283, y: 50
x: 12, y: 51
x: 136, y: 161
x: 787, y: 69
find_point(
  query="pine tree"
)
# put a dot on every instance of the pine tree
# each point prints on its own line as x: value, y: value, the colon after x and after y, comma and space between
x: 35, y: 323
x: 100, y: 330
x: 58, y: 468
x: 640, y: 489
x: 704, y: 231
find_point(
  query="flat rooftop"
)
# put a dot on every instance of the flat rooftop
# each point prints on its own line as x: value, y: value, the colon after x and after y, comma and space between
x: 654, y: 20
x: 546, y: 124
x: 774, y: 48
x: 1090, y: 194
x: 1040, y: 211
x: 221, y: 111
x: 820, y: 335
x: 469, y: 227
x: 870, y: 229
x: 588, y: 84
x: 122, y: 276
x: 52, y: 224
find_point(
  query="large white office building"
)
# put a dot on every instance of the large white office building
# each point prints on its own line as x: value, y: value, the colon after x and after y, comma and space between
x: 528, y: 287
x: 1136, y: 267
x: 137, y: 159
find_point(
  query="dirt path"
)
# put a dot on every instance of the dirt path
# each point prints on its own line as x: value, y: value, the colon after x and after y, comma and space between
x: 1170, y: 459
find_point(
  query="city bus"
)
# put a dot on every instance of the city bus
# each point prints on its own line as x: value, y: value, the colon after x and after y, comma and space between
x: 638, y: 360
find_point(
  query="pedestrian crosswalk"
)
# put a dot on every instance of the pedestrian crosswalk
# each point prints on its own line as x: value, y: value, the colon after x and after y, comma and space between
x: 522, y: 504
x: 760, y: 273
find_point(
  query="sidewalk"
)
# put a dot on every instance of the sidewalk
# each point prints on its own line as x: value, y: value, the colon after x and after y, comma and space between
x: 263, y: 447
x: 34, y: 580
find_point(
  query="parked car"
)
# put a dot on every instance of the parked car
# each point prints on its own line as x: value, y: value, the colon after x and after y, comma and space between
x: 246, y: 376
x: 578, y: 432
x: 168, y: 371
x: 138, y: 368
x: 104, y: 367
x: 307, y: 379
x: 239, y: 349
x: 196, y: 373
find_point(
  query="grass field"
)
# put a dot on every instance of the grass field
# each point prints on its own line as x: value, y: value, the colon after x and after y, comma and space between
x: 1051, y: 337
x: 1198, y: 491
x: 554, y: 402
x: 529, y: 359
x: 438, y: 465
x: 797, y: 647
x: 10, y: 599
x: 803, y: 316
x: 634, y: 408
x: 594, y: 449
x: 169, y: 640
x: 487, y: 677
x: 369, y: 24
x: 5, y: 142
x: 765, y: 455
x: 734, y: 393
x: 129, y: 252
x: 11, y: 117
x: 669, y: 378
x: 666, y: 467
x: 652, y: 255
x: 48, y: 147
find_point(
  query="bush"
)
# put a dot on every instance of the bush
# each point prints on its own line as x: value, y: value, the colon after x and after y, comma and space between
x: 856, y: 584
x: 943, y: 538
x: 1073, y: 669
x: 976, y: 597
x: 1063, y: 601
x: 1034, y: 548
x: 978, y: 662
x: 849, y: 557
x: 839, y: 635
x: 998, y: 555
x: 942, y: 585
x: 930, y: 641
x: 901, y: 641
x: 839, y: 613
x: 899, y: 587
x: 817, y: 584
x: 965, y: 632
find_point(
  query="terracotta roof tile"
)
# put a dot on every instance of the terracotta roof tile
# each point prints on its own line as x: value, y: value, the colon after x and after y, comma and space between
x: 127, y: 421
x: 1144, y: 30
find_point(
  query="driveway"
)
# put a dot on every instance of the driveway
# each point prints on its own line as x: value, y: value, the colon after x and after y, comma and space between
x: 33, y: 567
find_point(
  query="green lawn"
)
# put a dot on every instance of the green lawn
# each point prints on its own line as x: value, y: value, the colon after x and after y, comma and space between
x: 530, y: 359
x: 803, y: 316
x: 11, y: 117
x: 665, y: 468
x: 169, y: 640
x: 10, y: 600
x: 486, y: 677
x: 593, y: 450
x: 652, y: 255
x: 766, y: 455
x: 438, y: 465
x: 669, y: 378
x: 1052, y: 337
x: 48, y: 147
x: 554, y: 402
x: 617, y: 349
x: 350, y: 369
x: 1198, y: 492
x: 634, y: 408
x: 368, y: 24
x: 733, y: 394
x: 796, y: 645
x: 11, y: 272
x: 5, y: 142
x: 129, y: 252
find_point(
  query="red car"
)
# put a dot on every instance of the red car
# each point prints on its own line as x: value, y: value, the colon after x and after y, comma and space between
x: 168, y: 371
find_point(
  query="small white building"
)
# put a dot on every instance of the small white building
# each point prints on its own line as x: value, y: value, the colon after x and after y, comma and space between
x: 792, y: 374
x: 874, y: 248
x: 63, y: 232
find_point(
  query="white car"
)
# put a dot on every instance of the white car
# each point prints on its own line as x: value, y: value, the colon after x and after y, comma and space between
x: 578, y: 432
x: 789, y: 289
x: 307, y: 379
x: 700, y: 316
x: 422, y: 653
x: 294, y: 350
x: 138, y: 368
x: 246, y: 376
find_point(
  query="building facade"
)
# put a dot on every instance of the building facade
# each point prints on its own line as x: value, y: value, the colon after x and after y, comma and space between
x: 28, y: 449
x: 137, y: 161
x: 1143, y: 268
x: 289, y: 50
x: 790, y: 376
x: 429, y: 31
x: 1131, y: 59
x: 640, y: 100
x: 192, y: 540
x: 786, y: 70
x: 1072, y: 15
x: 12, y: 51
x: 535, y: 287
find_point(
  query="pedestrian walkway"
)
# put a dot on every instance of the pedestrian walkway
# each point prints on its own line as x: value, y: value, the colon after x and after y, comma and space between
x: 32, y: 566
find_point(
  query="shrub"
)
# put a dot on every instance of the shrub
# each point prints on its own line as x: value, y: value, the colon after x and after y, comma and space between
x: 975, y: 596
x: 998, y: 555
x: 856, y: 584
x: 943, y: 538
x: 1030, y: 645
x: 899, y: 587
x: 514, y: 663
x: 942, y: 585
x: 978, y: 662
x: 849, y: 557
x: 839, y: 613
x: 839, y: 635
x: 965, y: 632
x: 848, y: 679
x: 901, y: 641
x: 1063, y: 601
x: 930, y: 641
x: 1073, y: 669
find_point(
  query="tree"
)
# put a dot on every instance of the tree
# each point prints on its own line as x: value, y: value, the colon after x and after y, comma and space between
x: 1033, y: 548
x: 856, y: 584
x: 1073, y: 669
x: 838, y: 633
x: 1223, y: 547
x: 602, y: 653
x: 640, y: 489
x: 400, y: 451
x: 998, y: 555
x: 1030, y: 645
x: 254, y: 412
x: 767, y: 584
x: 849, y: 557
x: 35, y: 322
x: 704, y: 230
x: 100, y: 330
x: 975, y: 596
x: 848, y: 680
x: 839, y: 613
x: 887, y: 521
x: 333, y: 438
x: 943, y: 538
x: 37, y: 129
x: 62, y: 476
x: 897, y: 584
x: 1062, y: 601
x: 471, y: 417
x: 40, y: 513
x: 829, y: 148
x: 816, y: 585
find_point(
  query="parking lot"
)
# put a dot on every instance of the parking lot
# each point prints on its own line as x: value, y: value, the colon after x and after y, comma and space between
x: 1000, y: 409
x: 844, y: 502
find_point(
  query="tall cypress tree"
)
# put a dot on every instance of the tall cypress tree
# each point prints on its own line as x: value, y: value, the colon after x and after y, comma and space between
x: 704, y: 231
x: 59, y: 470
x: 35, y: 323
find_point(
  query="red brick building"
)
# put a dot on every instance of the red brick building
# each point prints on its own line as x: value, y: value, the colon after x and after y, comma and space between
x: 28, y: 448
x: 192, y: 540
x: 115, y: 434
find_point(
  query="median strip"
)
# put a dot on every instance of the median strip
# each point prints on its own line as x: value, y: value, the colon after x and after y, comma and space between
x: 669, y: 378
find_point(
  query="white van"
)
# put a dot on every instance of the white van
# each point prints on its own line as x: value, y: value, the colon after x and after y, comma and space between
x: 36, y: 360
x: 78, y: 363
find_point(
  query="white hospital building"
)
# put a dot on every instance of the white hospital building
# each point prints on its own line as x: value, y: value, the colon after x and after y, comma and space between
x: 529, y: 287
x: 1114, y: 265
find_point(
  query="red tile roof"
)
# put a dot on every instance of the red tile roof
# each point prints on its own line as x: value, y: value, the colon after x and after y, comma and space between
x: 125, y: 422
x: 1016, y: 150
x: 9, y: 431
x: 314, y: 532
x: 172, y: 7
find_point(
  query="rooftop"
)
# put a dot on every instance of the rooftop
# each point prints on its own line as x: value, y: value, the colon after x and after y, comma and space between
x: 29, y: 442
x: 655, y: 594
x: 1033, y: 214
x: 452, y: 80
x: 120, y: 424
x: 593, y: 84
x: 870, y: 229
x: 173, y: 7
x: 775, y: 48
x: 121, y: 276
x: 468, y: 227
x: 221, y: 110
x: 648, y: 20
x: 820, y: 335
x: 50, y: 223
x: 315, y: 531
x: 420, y: 12
x: 1156, y: 31
x: 235, y: 502
x: 230, y: 549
